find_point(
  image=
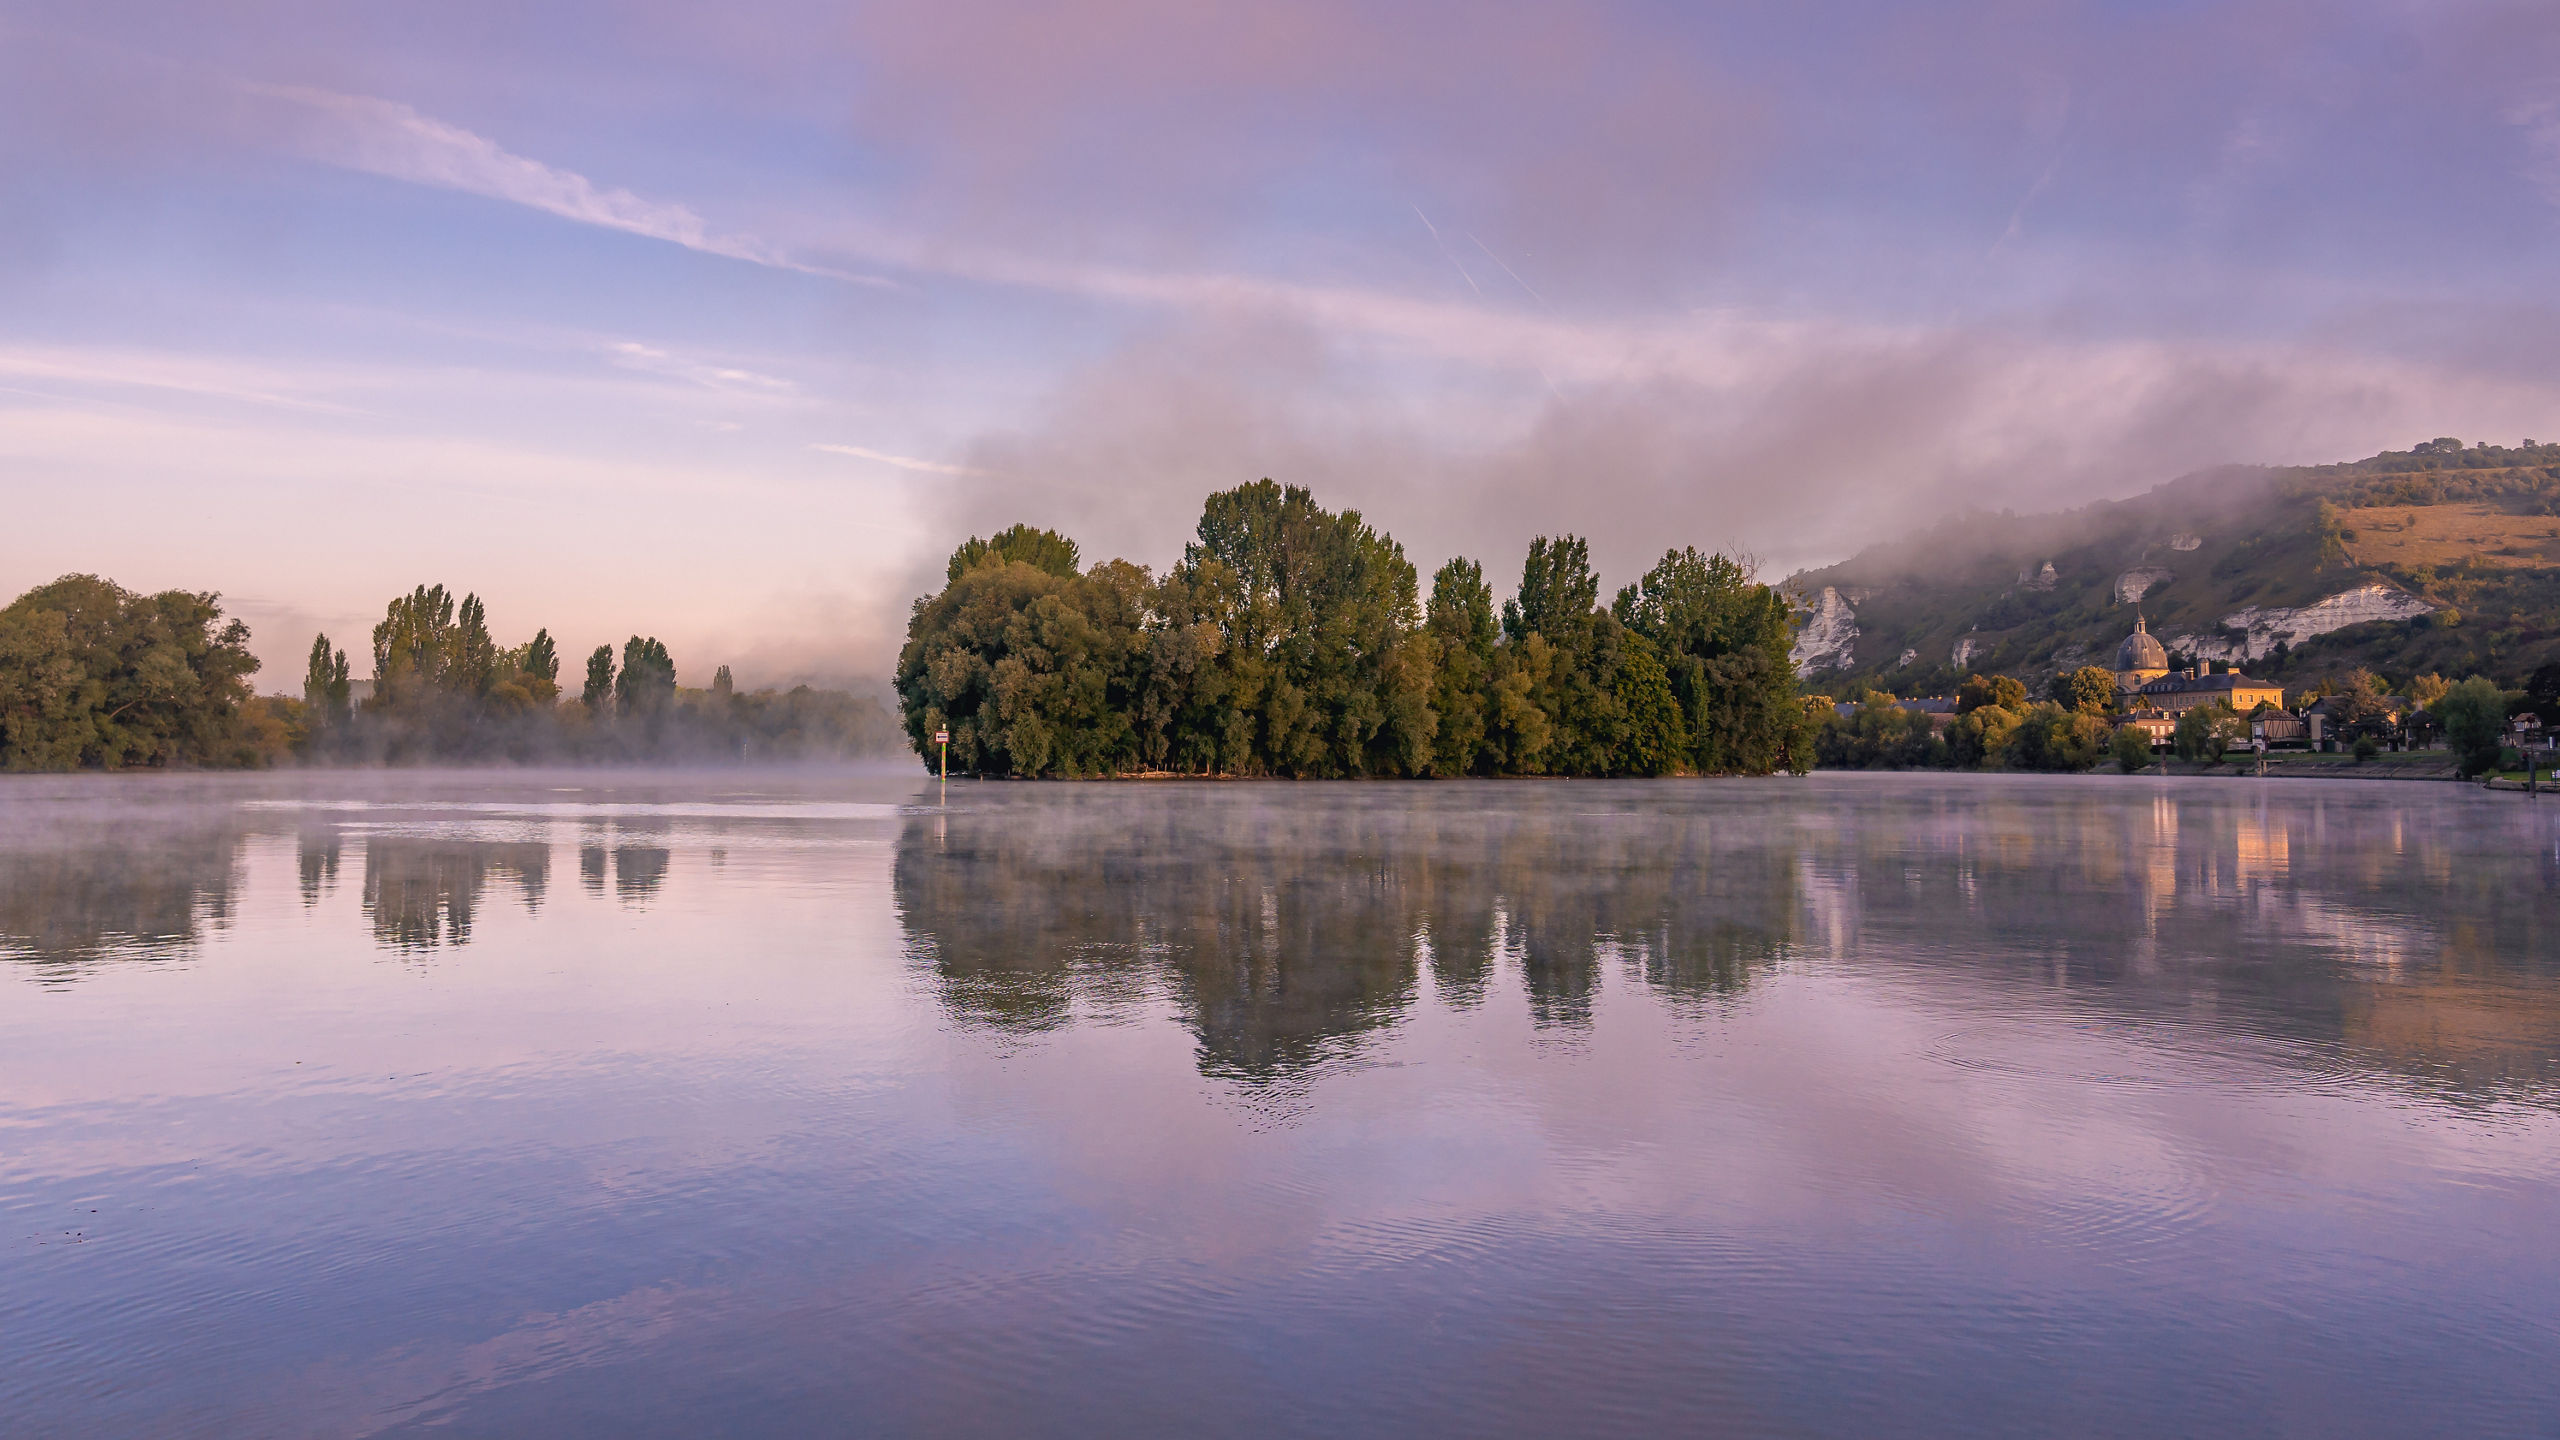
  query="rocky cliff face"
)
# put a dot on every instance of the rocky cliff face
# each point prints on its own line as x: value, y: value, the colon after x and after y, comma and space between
x: 2264, y: 629
x: 2139, y: 581
x: 2226, y: 564
x: 1829, y: 638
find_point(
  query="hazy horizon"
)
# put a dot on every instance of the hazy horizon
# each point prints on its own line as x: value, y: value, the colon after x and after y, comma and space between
x: 725, y: 327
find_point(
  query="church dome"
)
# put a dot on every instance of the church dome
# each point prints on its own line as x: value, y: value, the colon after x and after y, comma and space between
x: 2140, y: 651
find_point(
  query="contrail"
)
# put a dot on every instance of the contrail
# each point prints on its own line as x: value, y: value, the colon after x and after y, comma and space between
x: 1445, y: 252
x: 1514, y: 274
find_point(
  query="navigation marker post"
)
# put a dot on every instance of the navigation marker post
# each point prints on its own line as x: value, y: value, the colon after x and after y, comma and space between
x: 943, y: 739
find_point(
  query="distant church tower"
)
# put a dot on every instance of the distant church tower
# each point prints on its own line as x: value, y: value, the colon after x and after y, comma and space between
x: 2140, y: 659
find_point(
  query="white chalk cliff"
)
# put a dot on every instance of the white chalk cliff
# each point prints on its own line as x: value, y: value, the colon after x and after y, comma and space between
x: 2267, y: 628
x: 2133, y: 584
x: 1829, y: 636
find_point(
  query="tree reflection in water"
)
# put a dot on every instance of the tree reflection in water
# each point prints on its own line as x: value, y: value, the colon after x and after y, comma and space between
x: 76, y: 895
x: 1285, y: 931
x: 421, y: 893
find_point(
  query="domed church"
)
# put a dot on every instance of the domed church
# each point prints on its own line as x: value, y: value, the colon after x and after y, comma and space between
x: 2140, y: 659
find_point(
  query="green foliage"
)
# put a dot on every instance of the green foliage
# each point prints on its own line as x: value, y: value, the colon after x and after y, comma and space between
x: 1316, y: 668
x: 2051, y: 738
x: 1654, y: 736
x: 598, y: 695
x: 96, y: 676
x: 2087, y: 690
x: 539, y: 663
x: 646, y: 685
x: 2132, y: 749
x: 1044, y: 550
x: 1981, y: 690
x: 1033, y: 673
x: 2474, y: 716
x: 2205, y: 731
x: 325, y: 690
x: 1724, y: 640
x: 1880, y: 735
x: 1980, y: 737
x: 1289, y: 641
x: 1460, y: 626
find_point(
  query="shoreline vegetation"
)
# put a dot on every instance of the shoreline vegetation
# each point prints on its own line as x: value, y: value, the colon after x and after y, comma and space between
x: 1294, y: 642
x: 97, y: 677
x: 1288, y: 642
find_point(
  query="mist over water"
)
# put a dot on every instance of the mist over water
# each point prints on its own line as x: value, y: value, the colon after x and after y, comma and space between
x: 763, y: 1103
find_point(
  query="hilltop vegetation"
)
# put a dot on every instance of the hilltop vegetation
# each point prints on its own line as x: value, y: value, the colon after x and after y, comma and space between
x: 2441, y: 558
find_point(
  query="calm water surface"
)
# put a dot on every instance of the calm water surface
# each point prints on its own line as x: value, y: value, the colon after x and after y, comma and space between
x: 752, y: 1105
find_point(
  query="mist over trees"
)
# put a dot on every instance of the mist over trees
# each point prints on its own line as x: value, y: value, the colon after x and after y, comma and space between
x: 443, y: 690
x: 93, y: 676
x: 1294, y: 641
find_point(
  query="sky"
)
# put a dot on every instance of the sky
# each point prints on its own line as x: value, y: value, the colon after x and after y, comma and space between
x: 726, y: 323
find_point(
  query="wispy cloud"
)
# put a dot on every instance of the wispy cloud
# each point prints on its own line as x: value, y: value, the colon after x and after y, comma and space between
x: 214, y: 378
x: 385, y: 137
x: 729, y: 379
x: 2539, y: 118
x: 903, y: 462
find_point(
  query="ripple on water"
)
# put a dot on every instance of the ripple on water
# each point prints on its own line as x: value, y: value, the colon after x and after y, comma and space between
x: 2154, y: 1054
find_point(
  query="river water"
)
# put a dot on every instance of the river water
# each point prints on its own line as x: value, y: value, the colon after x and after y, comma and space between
x: 752, y: 1105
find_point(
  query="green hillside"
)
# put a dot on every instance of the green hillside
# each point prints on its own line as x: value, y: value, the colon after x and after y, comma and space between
x: 2443, y: 558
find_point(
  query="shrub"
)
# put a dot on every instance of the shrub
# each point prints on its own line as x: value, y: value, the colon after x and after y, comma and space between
x: 2132, y: 749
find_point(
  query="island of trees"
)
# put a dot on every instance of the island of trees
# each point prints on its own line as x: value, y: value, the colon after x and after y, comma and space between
x: 1294, y: 641
x: 94, y: 676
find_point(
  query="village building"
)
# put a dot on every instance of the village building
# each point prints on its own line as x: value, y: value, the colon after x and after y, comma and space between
x: 2140, y: 660
x: 2179, y: 693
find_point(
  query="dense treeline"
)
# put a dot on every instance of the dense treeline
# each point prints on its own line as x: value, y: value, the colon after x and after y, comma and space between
x: 1294, y: 641
x: 443, y: 690
x: 93, y: 676
x: 1996, y: 727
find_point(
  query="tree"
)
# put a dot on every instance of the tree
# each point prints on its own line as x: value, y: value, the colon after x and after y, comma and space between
x: 1981, y: 690
x: 1724, y: 641
x: 2474, y: 716
x: 2088, y: 690
x: 94, y: 675
x: 2543, y: 691
x: 325, y: 690
x: 473, y: 665
x: 2132, y: 749
x: 1878, y: 735
x: 1043, y: 550
x: 598, y: 696
x: 1980, y: 737
x: 1033, y: 672
x: 2049, y: 737
x: 412, y: 648
x: 1318, y: 666
x: 2362, y: 716
x: 1655, y: 738
x: 2205, y: 731
x: 646, y: 686
x: 723, y: 688
x: 1461, y: 627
